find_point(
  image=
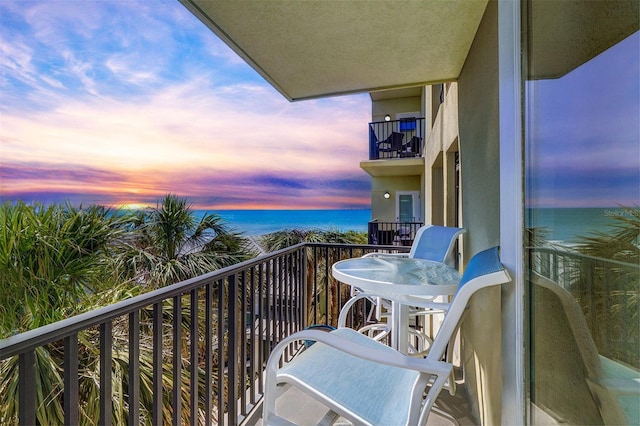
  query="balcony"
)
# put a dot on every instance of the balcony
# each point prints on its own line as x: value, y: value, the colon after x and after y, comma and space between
x: 205, y: 341
x: 396, y: 148
x: 396, y: 139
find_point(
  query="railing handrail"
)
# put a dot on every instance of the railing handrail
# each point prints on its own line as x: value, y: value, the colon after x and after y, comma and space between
x: 23, y: 341
x: 232, y: 319
x: 58, y: 330
x: 30, y: 339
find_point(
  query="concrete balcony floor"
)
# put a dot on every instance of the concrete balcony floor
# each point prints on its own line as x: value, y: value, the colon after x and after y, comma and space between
x: 301, y: 409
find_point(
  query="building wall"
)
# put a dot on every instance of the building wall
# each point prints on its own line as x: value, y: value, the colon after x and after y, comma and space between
x: 439, y: 151
x: 396, y: 105
x: 480, y: 183
x: 382, y: 208
x: 385, y: 209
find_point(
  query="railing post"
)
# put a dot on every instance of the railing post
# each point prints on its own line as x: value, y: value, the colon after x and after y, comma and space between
x: 193, y: 370
x: 303, y: 292
x: 27, y: 388
x: 177, y: 360
x: 221, y: 355
x: 233, y: 355
x: 134, y: 367
x: 156, y: 415
x: 106, y: 358
x: 208, y: 354
x: 71, y: 380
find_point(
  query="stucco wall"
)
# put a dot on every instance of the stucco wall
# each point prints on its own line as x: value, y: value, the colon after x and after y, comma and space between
x: 392, y: 106
x: 442, y: 136
x: 480, y: 182
x: 385, y: 209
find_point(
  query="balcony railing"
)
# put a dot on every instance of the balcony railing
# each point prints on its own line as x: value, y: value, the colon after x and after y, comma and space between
x: 204, y: 342
x: 190, y: 353
x: 608, y: 293
x: 392, y: 233
x: 396, y: 139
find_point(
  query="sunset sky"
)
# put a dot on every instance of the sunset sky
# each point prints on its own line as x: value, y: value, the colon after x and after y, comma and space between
x: 121, y: 102
x: 583, y: 146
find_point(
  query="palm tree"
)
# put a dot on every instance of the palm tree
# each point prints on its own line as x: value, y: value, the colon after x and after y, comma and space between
x: 169, y: 244
x: 289, y: 237
x: 327, y: 290
x: 54, y: 263
x: 50, y: 258
x: 622, y: 243
x: 57, y: 261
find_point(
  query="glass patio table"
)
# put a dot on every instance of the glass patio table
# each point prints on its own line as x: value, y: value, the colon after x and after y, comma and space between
x: 401, y: 280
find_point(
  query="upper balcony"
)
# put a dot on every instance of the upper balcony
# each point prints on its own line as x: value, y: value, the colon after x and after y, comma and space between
x: 399, y: 140
x: 396, y: 138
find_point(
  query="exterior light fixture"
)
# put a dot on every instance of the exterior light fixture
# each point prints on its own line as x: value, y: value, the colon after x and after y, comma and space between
x: 386, y: 195
x: 387, y: 117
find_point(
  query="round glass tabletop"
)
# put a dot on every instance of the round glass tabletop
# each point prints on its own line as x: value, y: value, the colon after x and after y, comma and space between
x: 397, y: 275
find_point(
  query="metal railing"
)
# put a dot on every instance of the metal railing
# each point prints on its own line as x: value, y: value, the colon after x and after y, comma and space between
x: 392, y: 233
x: 190, y: 353
x: 396, y: 139
x: 607, y: 292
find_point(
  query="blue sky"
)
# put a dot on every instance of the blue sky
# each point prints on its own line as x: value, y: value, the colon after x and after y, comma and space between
x: 584, y: 135
x: 121, y: 102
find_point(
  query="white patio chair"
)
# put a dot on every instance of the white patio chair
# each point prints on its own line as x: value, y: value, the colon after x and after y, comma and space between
x: 367, y: 382
x: 432, y: 242
x: 600, y: 390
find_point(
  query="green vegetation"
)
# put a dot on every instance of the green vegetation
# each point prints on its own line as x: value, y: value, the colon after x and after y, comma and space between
x: 289, y: 237
x: 169, y: 244
x: 51, y: 260
x: 622, y: 243
x: 58, y: 261
x: 61, y: 260
x: 323, y: 299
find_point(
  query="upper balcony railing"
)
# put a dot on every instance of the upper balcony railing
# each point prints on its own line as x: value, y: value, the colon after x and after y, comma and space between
x: 396, y: 139
x: 392, y: 233
x: 190, y: 353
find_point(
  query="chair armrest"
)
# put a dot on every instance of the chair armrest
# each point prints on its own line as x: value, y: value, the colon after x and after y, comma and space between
x: 386, y: 357
x: 437, y: 370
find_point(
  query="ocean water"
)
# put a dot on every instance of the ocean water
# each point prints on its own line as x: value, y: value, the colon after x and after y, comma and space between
x: 568, y: 224
x: 260, y: 222
x: 561, y: 224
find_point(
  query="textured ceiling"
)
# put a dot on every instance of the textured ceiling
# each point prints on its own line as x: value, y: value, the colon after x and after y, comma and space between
x: 565, y: 34
x: 308, y: 49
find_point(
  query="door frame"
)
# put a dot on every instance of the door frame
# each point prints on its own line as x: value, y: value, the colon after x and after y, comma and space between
x: 416, y: 204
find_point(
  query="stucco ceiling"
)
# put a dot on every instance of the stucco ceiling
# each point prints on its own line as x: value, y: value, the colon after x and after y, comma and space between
x: 318, y: 48
x: 566, y: 34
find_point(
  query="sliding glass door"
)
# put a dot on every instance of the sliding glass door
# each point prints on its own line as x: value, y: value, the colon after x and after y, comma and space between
x: 582, y: 217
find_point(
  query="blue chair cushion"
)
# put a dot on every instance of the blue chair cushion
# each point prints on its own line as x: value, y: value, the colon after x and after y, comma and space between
x: 380, y: 394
